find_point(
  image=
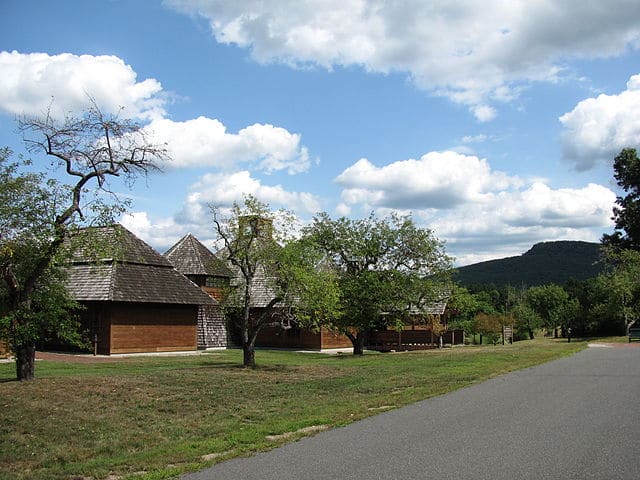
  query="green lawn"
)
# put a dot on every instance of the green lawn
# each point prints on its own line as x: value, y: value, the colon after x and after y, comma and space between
x: 155, y: 417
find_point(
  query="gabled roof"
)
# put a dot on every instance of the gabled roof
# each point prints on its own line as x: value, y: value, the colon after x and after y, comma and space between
x: 128, y: 270
x: 190, y: 257
x: 433, y: 308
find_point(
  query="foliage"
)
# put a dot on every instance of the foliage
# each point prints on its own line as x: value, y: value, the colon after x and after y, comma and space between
x: 37, y: 214
x: 626, y: 213
x: 548, y: 302
x: 311, y: 284
x: 388, y: 268
x: 490, y: 325
x: 279, y: 278
x: 527, y: 321
x: 618, y: 293
x: 28, y: 202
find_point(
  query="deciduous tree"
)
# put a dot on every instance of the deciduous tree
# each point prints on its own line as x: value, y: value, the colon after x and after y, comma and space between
x: 626, y: 213
x: 387, y: 267
x: 37, y: 213
x: 279, y: 278
x: 548, y: 301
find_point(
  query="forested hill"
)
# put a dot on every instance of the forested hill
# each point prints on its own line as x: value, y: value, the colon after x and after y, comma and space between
x: 547, y: 262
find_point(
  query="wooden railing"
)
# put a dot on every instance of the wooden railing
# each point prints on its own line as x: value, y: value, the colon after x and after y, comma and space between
x: 405, y: 340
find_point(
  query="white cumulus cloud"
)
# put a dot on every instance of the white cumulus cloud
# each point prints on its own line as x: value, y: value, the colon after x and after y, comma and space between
x: 598, y: 128
x: 480, y: 213
x: 205, y: 142
x: 223, y: 189
x: 32, y: 82
x: 440, y: 180
x: 475, y: 53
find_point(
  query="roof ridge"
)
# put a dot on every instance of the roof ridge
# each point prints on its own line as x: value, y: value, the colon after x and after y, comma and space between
x: 112, y: 281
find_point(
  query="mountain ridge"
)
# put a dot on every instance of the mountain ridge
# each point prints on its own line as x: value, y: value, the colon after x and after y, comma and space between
x: 545, y: 262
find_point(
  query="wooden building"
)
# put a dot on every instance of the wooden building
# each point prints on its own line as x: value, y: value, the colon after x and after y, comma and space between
x: 195, y: 261
x: 301, y: 338
x: 417, y: 332
x: 217, y: 277
x: 133, y: 298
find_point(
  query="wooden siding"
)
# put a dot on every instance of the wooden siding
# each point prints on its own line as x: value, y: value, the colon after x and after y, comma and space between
x: 301, y: 338
x: 153, y: 328
x: 334, y: 340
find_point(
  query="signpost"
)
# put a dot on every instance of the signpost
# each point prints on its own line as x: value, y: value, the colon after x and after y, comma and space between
x: 507, y: 334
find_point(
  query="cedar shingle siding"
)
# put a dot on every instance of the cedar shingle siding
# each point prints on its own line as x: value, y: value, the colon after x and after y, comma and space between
x: 192, y: 259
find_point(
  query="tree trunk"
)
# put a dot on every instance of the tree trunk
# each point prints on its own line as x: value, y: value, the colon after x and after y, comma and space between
x: 249, y: 355
x: 25, y: 362
x: 248, y: 344
x: 358, y: 346
x: 357, y: 340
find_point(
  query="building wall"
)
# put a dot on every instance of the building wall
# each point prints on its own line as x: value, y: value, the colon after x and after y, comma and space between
x: 212, y: 327
x: 334, y: 340
x: 301, y: 338
x: 294, y: 337
x: 95, y: 321
x: 152, y: 327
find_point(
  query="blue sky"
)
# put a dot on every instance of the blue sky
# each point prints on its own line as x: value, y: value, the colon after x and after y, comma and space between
x: 493, y: 123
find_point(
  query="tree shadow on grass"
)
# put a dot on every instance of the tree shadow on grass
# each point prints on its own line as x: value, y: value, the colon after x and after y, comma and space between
x: 238, y: 367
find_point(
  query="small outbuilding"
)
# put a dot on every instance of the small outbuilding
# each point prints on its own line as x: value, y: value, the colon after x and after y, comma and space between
x: 134, y: 299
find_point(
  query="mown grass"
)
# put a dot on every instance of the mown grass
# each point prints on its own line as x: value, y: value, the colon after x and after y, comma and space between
x: 155, y: 417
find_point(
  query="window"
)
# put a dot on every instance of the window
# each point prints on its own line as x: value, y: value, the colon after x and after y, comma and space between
x: 217, y: 282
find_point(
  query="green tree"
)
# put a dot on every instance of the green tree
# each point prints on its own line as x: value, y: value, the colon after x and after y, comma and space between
x: 466, y: 306
x: 37, y: 214
x: 548, y: 301
x: 626, y: 213
x: 279, y: 279
x: 490, y: 326
x: 527, y: 321
x: 619, y: 294
x: 386, y: 267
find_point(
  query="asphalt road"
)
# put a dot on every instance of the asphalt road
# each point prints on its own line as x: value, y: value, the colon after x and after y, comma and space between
x: 575, y: 418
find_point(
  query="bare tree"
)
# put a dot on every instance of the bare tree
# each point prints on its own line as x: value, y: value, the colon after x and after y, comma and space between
x: 92, y: 149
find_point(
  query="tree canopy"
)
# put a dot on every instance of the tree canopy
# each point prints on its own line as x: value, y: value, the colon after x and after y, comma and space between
x: 386, y: 268
x: 279, y: 276
x: 626, y: 213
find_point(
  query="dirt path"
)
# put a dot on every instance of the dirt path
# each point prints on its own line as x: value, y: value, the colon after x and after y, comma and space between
x: 74, y: 357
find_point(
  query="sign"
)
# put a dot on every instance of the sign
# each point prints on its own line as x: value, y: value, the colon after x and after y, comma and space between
x: 507, y: 334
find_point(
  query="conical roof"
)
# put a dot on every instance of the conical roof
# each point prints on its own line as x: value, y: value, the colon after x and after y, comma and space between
x: 190, y: 257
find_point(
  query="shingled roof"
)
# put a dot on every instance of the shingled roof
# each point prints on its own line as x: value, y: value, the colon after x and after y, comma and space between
x: 128, y: 270
x: 190, y: 257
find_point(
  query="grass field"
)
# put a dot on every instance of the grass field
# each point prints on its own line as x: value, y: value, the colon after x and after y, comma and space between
x: 155, y: 417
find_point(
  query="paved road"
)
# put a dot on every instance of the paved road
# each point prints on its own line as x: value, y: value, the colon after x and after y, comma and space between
x: 575, y: 418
